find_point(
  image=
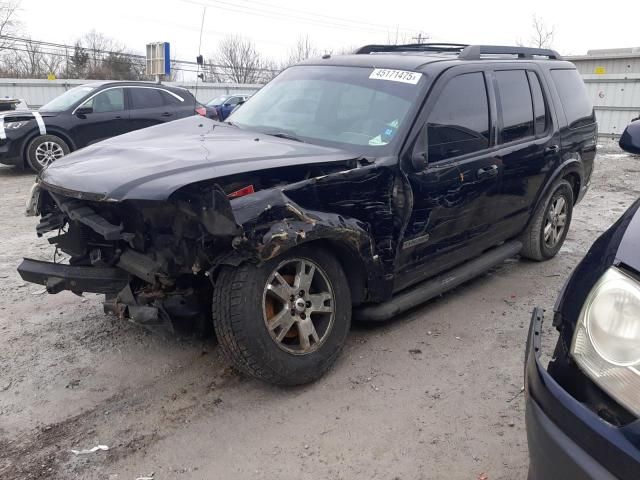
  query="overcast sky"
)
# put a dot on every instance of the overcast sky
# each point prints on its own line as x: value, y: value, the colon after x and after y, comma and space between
x: 275, y: 25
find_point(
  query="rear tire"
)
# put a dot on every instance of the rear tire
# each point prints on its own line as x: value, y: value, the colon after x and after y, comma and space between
x: 44, y: 150
x: 548, y: 228
x: 262, y: 315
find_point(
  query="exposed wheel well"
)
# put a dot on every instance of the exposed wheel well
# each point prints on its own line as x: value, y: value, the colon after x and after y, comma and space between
x: 574, y: 179
x: 352, y: 266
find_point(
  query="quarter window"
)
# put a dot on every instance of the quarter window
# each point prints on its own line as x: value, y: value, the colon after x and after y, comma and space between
x: 111, y: 100
x: 459, y: 121
x: 146, y: 98
x: 539, y: 109
x: 573, y: 95
x: 516, y: 105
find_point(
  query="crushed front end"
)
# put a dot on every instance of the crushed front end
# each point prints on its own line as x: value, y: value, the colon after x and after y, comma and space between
x: 151, y: 259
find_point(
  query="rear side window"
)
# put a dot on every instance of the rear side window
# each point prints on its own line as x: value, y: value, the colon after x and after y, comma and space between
x: 573, y: 95
x: 146, y: 98
x: 169, y: 99
x: 516, y: 105
x: 539, y: 108
x: 459, y: 121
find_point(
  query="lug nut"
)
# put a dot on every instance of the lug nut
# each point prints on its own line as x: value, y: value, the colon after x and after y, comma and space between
x: 308, y: 304
x: 292, y: 298
x: 293, y: 313
x: 301, y: 293
x: 303, y: 316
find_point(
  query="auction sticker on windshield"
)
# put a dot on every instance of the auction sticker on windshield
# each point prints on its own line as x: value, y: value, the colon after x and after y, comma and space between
x: 395, y: 75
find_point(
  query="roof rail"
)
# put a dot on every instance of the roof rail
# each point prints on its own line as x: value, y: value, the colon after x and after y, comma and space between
x: 413, y: 47
x: 475, y: 52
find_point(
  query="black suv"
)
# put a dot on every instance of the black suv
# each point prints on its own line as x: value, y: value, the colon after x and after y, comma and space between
x: 371, y: 181
x: 87, y: 114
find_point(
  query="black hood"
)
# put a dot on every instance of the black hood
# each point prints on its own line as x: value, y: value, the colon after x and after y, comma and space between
x: 152, y: 163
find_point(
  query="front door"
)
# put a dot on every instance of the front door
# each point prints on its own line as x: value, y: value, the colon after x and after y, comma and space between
x: 107, y: 119
x: 455, y: 197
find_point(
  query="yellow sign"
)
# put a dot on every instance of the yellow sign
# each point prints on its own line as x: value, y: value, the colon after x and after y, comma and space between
x: 51, y: 76
x: 600, y: 71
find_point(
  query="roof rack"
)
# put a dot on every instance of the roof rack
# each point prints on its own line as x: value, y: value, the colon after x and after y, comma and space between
x: 475, y: 52
x: 464, y: 51
x: 413, y: 47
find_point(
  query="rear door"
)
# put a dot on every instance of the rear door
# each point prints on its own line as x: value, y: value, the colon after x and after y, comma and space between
x: 149, y: 106
x: 107, y: 119
x: 529, y: 145
x: 455, y: 196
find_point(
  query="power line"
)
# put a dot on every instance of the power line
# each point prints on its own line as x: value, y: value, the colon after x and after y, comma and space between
x: 271, y: 14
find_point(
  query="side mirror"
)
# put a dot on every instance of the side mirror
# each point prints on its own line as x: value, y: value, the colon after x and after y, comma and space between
x: 420, y: 155
x: 84, y: 110
x: 630, y: 139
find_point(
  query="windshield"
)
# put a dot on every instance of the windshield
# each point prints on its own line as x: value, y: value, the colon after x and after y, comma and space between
x: 218, y: 100
x: 354, y: 108
x: 67, y: 99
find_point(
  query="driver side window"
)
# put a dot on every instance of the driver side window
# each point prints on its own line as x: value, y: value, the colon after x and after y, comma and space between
x: 111, y: 100
x: 459, y: 121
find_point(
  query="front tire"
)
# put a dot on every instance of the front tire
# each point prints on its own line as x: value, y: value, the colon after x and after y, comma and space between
x: 548, y: 228
x: 285, y: 321
x: 44, y: 150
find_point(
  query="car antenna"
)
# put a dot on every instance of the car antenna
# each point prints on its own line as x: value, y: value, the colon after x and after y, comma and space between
x: 199, y: 60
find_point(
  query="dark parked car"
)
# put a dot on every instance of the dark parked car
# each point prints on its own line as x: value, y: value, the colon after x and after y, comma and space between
x: 583, y: 411
x: 8, y: 104
x: 87, y: 114
x: 371, y: 181
x: 221, y: 107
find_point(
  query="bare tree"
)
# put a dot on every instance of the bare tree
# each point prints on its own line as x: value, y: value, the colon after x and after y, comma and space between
x: 236, y: 60
x: 302, y: 50
x: 9, y: 22
x: 542, y: 35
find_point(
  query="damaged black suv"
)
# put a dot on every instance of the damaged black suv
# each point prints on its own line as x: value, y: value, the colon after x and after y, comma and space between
x: 365, y: 183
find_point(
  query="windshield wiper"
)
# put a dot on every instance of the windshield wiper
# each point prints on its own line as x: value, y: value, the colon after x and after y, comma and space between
x: 288, y: 136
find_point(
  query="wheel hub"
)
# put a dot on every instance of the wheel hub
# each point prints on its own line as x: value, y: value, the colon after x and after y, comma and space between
x: 299, y: 305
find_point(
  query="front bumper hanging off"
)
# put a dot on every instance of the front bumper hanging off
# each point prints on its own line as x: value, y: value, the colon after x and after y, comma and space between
x: 57, y: 277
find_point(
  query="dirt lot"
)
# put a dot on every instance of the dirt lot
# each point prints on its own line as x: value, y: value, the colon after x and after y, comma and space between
x: 431, y: 395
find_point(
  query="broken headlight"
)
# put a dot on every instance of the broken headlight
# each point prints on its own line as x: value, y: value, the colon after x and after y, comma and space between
x: 606, y: 343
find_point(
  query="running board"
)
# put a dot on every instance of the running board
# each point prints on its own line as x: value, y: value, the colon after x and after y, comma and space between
x: 428, y: 289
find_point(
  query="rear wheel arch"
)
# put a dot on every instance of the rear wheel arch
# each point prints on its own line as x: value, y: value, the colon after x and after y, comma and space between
x: 571, y: 170
x: 576, y: 183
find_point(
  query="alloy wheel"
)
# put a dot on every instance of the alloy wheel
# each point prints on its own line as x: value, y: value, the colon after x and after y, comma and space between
x: 556, y: 222
x: 298, y: 306
x: 48, y: 152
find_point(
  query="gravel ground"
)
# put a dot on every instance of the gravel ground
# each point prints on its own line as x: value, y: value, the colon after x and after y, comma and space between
x: 433, y: 394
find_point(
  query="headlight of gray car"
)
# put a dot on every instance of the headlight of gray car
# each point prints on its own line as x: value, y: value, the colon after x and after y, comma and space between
x: 14, y: 125
x: 606, y: 343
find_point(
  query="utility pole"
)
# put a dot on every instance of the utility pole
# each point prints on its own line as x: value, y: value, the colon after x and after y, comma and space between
x: 420, y: 38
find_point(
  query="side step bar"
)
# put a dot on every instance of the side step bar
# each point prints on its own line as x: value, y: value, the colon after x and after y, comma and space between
x: 420, y: 293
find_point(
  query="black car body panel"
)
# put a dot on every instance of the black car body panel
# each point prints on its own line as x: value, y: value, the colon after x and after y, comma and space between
x: 78, y: 130
x: 575, y: 430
